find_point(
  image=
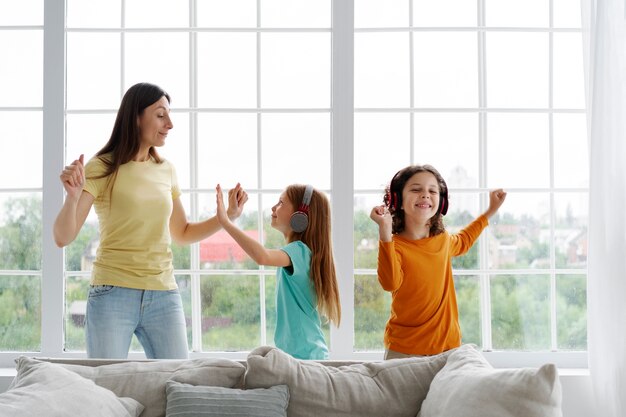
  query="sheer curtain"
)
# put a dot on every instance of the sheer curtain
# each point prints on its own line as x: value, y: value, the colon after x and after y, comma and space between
x: 604, y: 25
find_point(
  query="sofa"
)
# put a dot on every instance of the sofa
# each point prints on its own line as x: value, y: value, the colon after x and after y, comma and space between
x: 459, y: 383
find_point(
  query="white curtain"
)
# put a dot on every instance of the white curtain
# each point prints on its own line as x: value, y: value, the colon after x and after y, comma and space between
x: 604, y: 33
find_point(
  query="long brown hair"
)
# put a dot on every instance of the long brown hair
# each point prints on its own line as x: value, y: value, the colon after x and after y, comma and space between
x: 317, y: 236
x: 124, y: 142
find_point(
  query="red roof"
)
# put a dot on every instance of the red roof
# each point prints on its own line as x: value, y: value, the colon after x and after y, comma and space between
x: 221, y: 247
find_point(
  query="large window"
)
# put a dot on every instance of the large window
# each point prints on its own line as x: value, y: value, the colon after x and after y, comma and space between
x: 266, y: 93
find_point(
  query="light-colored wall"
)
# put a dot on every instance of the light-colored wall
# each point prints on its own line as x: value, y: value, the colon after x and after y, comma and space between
x: 577, y: 393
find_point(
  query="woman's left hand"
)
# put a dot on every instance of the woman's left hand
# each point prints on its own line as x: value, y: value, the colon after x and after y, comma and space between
x: 237, y: 197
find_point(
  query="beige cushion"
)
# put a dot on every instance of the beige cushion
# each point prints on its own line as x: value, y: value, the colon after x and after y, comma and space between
x: 469, y: 386
x: 46, y: 389
x: 391, y: 388
x: 145, y: 381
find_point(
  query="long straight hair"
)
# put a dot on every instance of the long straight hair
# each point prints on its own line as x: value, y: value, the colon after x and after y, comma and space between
x: 124, y: 142
x: 317, y: 236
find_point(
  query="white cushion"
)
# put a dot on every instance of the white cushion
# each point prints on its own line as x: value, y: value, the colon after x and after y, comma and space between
x: 46, y: 389
x: 469, y: 386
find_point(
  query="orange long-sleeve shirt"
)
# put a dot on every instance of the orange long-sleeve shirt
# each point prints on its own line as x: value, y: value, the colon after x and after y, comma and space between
x: 424, y: 314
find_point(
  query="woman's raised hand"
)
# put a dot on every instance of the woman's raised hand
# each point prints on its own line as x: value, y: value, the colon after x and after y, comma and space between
x: 73, y: 177
x: 237, y: 197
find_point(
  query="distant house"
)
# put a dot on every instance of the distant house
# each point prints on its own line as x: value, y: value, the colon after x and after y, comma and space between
x: 221, y: 247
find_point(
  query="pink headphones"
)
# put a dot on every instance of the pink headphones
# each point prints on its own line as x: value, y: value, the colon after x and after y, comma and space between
x: 300, y: 218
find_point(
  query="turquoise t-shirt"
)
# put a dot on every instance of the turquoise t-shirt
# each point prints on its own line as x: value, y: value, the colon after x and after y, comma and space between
x: 298, y: 326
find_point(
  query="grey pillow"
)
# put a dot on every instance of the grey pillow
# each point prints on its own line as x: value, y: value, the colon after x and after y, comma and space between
x: 184, y: 400
x: 469, y: 386
x: 391, y: 388
x: 145, y: 381
x: 46, y: 389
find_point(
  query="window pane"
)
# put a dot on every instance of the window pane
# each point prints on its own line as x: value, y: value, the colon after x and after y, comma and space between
x: 87, y: 134
x: 94, y: 13
x: 365, y: 230
x: 371, y: 311
x: 571, y: 154
x: 462, y: 211
x: 81, y: 253
x: 295, y: 13
x: 571, y: 311
x: 156, y: 13
x: 272, y: 238
x: 468, y: 300
x: 519, y: 234
x: 517, y: 64
x: 20, y: 313
x: 227, y: 64
x: 381, y: 13
x: 23, y: 12
x: 381, y: 148
x: 225, y: 141
x: 526, y: 137
x: 21, y: 141
x: 444, y: 13
x: 21, y: 82
x: 230, y: 312
x: 297, y: 144
x: 381, y: 70
x: 572, y: 221
x: 520, y: 312
x: 162, y: 59
x: 445, y: 69
x: 176, y: 148
x: 20, y: 231
x: 532, y: 13
x: 232, y: 13
x: 449, y: 142
x: 566, y: 13
x: 569, y: 85
x: 182, y: 253
x: 93, y: 71
x: 270, y: 308
x: 295, y: 70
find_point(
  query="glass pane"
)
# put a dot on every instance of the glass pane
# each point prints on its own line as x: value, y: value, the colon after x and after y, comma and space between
x: 20, y: 231
x: 94, y: 14
x: 572, y: 221
x: 295, y: 70
x: 272, y: 238
x: 520, y: 312
x: 230, y: 312
x: 366, y: 231
x: 182, y: 253
x: 449, y: 142
x: 232, y: 136
x: 381, y: 70
x: 517, y: 64
x: 87, y: 134
x: 566, y: 13
x: 184, y: 288
x: 270, y: 308
x: 381, y: 148
x: 220, y: 251
x: 21, y: 140
x: 444, y: 13
x: 297, y: 144
x: 20, y: 313
x: 571, y: 312
x: 21, y: 82
x: 531, y: 13
x: 445, y: 69
x: 81, y: 253
x: 23, y: 12
x: 227, y: 62
x: 526, y: 137
x: 176, y: 148
x: 468, y: 300
x: 519, y: 234
x: 156, y: 13
x: 381, y: 13
x: 568, y: 72
x: 371, y: 312
x: 93, y: 71
x: 232, y: 13
x: 162, y: 59
x: 462, y: 211
x: 295, y: 13
x: 571, y: 151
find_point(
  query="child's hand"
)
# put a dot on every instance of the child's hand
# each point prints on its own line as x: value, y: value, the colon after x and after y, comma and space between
x: 237, y: 197
x: 221, y: 215
x: 382, y: 217
x: 496, y: 198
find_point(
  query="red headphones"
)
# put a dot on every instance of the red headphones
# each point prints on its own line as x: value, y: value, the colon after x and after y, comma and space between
x: 300, y: 218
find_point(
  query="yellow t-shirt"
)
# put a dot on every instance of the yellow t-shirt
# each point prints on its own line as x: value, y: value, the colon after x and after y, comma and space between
x: 135, y: 239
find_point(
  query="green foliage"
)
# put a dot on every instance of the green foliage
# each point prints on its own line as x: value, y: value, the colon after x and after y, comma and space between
x: 20, y: 235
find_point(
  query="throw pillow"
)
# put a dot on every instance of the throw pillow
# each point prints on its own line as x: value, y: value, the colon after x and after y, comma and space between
x: 145, y: 380
x: 46, y: 389
x: 385, y: 388
x: 469, y: 386
x: 184, y: 400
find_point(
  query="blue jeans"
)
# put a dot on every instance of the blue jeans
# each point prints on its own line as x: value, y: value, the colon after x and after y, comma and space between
x: 114, y: 314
